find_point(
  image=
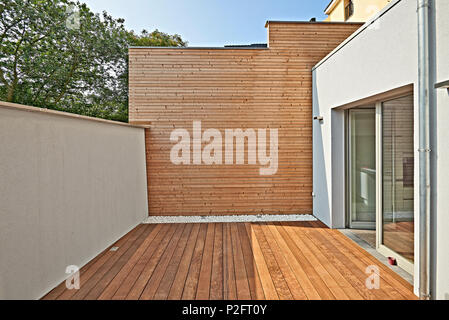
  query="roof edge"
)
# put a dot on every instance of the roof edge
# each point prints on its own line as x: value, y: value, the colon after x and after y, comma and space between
x: 199, y: 48
x: 330, y: 6
x: 364, y: 26
x: 21, y: 107
x: 311, y: 22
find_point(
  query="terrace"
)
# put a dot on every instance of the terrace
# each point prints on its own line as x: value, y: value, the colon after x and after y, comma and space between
x: 295, y: 260
x: 79, y: 188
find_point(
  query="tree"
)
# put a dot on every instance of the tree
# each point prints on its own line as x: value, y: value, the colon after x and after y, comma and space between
x: 155, y: 39
x: 58, y: 54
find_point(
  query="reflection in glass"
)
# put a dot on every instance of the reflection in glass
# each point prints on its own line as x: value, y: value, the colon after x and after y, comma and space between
x: 398, y: 175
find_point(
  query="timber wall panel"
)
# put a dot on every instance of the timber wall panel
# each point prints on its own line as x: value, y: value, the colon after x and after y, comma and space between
x: 229, y: 89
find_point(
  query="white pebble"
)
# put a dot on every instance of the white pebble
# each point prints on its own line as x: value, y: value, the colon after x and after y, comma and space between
x: 227, y: 219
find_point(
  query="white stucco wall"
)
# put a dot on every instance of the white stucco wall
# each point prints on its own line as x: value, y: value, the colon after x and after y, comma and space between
x: 378, y: 58
x: 69, y: 188
x: 441, y: 153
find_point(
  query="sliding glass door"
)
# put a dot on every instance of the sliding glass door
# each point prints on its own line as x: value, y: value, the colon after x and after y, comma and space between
x: 362, y: 168
x: 397, y: 179
x: 380, y: 176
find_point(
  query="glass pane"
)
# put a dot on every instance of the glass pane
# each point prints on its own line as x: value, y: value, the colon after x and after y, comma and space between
x: 398, y: 176
x: 363, y: 168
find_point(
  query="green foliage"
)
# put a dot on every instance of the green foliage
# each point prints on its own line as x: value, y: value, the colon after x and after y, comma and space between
x: 58, y: 54
x: 155, y: 39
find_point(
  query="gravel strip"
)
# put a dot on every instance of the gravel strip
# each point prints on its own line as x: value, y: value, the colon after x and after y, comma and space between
x: 239, y: 218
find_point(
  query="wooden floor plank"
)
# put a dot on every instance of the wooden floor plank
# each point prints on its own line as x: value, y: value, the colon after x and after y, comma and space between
x: 103, y: 256
x: 93, y: 266
x: 350, y: 244
x: 216, y: 282
x: 169, y: 276
x: 241, y: 278
x: 230, y: 288
x: 276, y: 260
x: 309, y: 269
x: 118, y: 265
x: 358, y: 267
x: 289, y: 275
x: 269, y: 288
x: 395, y: 284
x: 115, y: 284
x: 329, y: 264
x: 178, y: 284
x: 203, y: 288
x: 404, y: 287
x: 148, y: 270
x: 61, y: 288
x: 301, y: 275
x: 162, y: 265
x: 191, y: 283
x: 255, y: 285
x: 340, y: 262
x: 135, y: 272
x: 275, y: 272
x: 320, y: 263
x: 85, y: 289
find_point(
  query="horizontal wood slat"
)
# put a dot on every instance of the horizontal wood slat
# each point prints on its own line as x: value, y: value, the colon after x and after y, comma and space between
x: 228, y: 89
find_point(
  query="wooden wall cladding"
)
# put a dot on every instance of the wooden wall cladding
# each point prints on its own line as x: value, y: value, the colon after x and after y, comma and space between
x: 232, y: 88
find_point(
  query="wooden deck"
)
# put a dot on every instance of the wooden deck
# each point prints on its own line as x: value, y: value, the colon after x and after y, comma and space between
x: 301, y: 260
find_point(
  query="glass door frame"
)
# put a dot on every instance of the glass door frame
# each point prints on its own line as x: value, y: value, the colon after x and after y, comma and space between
x: 350, y: 223
x: 380, y: 247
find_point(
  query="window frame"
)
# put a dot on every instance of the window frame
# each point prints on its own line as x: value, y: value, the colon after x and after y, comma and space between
x: 349, y: 9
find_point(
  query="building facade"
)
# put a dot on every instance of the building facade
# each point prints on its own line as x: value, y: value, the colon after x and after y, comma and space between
x: 360, y: 144
x: 367, y: 147
x: 353, y: 10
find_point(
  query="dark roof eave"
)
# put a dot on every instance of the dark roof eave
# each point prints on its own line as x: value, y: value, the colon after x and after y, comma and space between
x: 253, y: 45
x: 200, y: 48
x: 311, y: 22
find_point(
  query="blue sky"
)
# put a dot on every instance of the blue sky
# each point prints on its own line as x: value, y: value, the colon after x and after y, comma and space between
x: 210, y: 22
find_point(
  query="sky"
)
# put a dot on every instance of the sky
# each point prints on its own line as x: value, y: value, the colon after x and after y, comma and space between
x: 210, y: 22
